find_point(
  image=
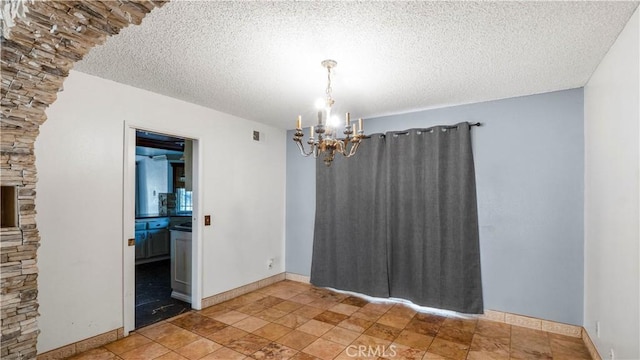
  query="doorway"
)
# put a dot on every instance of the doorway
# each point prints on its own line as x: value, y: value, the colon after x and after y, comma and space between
x: 163, y: 193
x: 161, y: 204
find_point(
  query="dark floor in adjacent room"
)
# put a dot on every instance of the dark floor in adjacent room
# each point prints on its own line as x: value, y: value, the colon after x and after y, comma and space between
x: 153, y: 294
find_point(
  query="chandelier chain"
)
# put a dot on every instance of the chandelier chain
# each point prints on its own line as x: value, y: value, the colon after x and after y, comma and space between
x: 329, y: 89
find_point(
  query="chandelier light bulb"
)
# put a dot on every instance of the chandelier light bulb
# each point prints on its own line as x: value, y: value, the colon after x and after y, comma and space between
x: 320, y: 103
x: 334, y: 121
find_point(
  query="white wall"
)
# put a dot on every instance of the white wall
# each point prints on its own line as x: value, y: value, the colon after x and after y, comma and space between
x: 612, y: 198
x: 80, y: 168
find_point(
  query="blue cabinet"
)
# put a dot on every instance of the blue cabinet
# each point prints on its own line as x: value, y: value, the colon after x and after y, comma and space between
x: 158, y: 242
x: 152, y: 239
x: 141, y: 244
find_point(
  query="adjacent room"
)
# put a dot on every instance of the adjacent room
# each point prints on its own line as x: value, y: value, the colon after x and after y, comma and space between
x: 320, y: 180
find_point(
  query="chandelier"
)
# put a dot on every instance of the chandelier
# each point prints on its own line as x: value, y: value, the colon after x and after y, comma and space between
x: 327, y: 142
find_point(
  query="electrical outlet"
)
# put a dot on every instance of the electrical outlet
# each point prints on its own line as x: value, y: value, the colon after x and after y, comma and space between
x: 598, y: 329
x: 270, y: 264
x: 612, y: 355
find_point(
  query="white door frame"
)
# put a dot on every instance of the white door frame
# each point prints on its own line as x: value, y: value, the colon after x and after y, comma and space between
x: 128, y: 221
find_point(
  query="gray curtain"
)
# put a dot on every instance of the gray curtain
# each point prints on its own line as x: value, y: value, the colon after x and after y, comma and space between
x: 349, y: 247
x: 432, y: 222
x: 400, y: 220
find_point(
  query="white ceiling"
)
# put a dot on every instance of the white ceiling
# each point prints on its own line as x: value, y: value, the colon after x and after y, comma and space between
x: 261, y: 60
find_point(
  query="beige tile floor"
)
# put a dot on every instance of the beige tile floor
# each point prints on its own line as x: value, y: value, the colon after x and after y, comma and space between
x: 290, y: 320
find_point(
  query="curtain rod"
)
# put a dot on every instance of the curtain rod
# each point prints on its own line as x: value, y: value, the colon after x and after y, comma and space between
x: 404, y: 132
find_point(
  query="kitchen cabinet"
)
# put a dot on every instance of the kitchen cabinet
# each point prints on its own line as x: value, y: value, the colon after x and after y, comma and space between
x: 141, y: 244
x: 152, y: 240
x: 178, y: 176
x: 181, y: 265
x: 158, y: 242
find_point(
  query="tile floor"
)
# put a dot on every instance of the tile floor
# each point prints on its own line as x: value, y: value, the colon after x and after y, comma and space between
x: 290, y: 320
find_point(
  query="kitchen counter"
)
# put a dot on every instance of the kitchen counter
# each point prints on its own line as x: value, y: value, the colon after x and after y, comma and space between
x: 185, y: 227
x: 153, y: 216
x: 150, y: 216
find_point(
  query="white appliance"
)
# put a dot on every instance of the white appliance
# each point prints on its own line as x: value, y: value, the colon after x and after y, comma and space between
x: 152, y: 179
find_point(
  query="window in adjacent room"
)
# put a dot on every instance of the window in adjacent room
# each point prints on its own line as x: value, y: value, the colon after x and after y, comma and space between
x: 183, y: 200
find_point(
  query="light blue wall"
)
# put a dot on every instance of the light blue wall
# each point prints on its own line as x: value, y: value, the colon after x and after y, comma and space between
x: 300, y: 209
x: 529, y: 157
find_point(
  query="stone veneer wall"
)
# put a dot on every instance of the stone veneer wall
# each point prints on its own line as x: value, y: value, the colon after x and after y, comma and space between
x: 37, y: 55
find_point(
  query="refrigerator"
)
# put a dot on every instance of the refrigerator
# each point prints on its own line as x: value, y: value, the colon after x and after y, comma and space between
x: 152, y: 179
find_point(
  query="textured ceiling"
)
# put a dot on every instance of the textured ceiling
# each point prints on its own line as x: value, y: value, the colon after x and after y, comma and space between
x: 261, y: 60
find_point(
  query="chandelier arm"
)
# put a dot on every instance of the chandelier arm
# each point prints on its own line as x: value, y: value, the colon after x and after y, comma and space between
x: 344, y: 148
x: 340, y: 147
x: 302, y: 150
x: 354, y: 148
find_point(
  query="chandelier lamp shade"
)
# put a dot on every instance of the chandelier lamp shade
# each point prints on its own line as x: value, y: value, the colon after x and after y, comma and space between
x: 323, y: 137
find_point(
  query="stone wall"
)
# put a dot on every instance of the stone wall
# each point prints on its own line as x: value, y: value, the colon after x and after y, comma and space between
x: 37, y: 55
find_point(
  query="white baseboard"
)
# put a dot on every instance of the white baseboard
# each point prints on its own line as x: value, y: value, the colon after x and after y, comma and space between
x: 590, y: 346
x: 82, y: 345
x: 180, y: 296
x: 228, y: 295
x: 297, y: 277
